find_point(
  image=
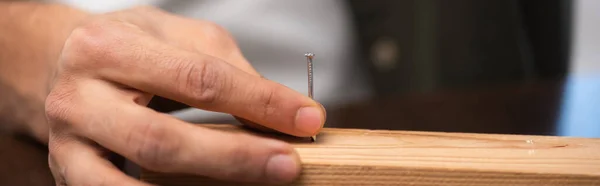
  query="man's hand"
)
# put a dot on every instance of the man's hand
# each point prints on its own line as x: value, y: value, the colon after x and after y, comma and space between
x: 112, y: 65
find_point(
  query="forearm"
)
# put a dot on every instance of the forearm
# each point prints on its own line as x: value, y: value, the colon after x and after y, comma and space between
x: 18, y: 112
x: 31, y: 37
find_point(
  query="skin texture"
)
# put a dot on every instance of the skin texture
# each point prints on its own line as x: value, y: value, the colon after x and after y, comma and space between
x: 30, y: 43
x: 109, y: 66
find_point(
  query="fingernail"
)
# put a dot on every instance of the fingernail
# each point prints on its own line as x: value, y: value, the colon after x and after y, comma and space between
x: 282, y: 168
x: 308, y: 120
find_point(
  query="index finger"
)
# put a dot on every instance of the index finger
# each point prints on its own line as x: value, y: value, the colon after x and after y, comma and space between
x: 207, y: 82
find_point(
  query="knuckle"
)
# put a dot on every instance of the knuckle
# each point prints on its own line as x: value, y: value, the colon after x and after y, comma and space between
x: 57, y: 106
x: 219, y: 33
x: 201, y: 81
x: 53, y: 147
x: 153, y: 147
x: 266, y: 97
x: 58, y: 171
x: 91, y: 45
x: 213, y: 28
x: 57, y: 142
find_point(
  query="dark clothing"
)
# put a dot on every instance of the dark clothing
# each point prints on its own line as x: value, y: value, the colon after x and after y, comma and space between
x: 441, y: 44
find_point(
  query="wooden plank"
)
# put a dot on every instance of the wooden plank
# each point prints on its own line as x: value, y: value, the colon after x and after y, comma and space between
x: 379, y: 157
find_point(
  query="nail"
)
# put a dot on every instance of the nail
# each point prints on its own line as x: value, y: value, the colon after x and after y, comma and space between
x: 309, y: 120
x: 282, y: 168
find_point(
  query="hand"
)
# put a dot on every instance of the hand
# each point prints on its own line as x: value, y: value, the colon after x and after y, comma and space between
x: 112, y: 65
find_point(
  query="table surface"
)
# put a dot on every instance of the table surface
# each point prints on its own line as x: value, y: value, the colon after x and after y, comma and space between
x: 566, y: 107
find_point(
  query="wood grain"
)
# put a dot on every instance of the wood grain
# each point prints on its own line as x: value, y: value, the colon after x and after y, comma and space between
x: 380, y: 157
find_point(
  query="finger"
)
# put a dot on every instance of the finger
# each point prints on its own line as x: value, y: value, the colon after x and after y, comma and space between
x: 162, y: 143
x: 206, y: 82
x: 77, y: 162
x: 208, y: 37
x: 205, y: 30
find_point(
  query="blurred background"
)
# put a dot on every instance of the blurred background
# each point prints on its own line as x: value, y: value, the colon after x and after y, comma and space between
x: 493, y: 66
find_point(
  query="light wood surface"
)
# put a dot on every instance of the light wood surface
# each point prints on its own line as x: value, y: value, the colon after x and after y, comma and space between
x: 379, y: 157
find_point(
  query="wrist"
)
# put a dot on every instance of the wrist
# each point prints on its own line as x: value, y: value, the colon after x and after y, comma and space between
x: 31, y: 39
x: 59, y: 21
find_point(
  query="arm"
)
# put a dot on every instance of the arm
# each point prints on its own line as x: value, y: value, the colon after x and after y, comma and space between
x: 31, y: 37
